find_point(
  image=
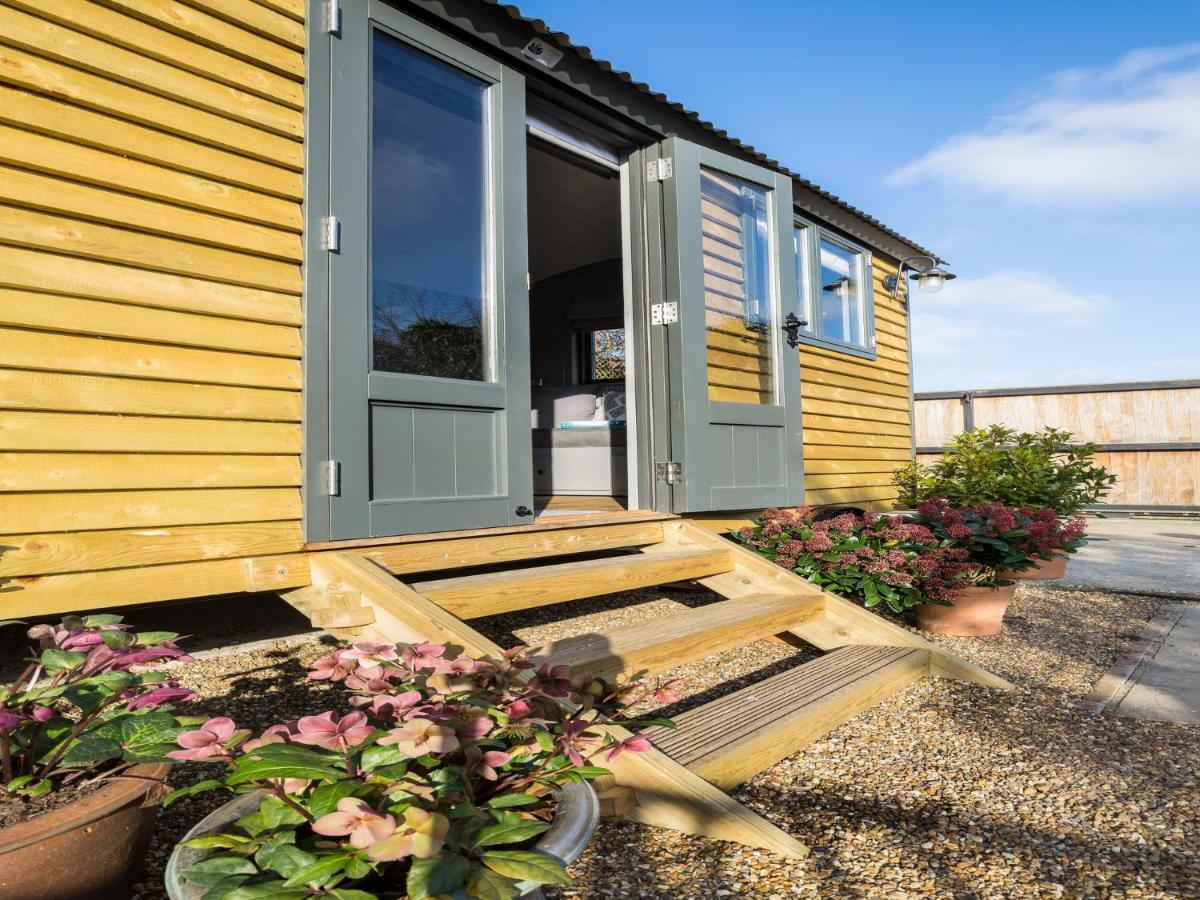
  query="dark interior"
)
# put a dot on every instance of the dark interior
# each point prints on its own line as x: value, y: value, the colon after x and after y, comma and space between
x: 576, y: 322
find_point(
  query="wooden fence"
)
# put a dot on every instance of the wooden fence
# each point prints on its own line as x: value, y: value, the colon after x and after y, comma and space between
x: 1149, y: 432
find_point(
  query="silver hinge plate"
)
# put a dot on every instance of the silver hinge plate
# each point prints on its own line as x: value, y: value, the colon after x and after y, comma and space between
x: 670, y: 472
x: 331, y: 234
x: 332, y: 17
x: 664, y: 313
x: 659, y: 169
x: 333, y: 478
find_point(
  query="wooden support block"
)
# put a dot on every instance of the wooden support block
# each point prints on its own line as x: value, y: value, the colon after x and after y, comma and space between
x: 348, y: 618
x: 617, y: 801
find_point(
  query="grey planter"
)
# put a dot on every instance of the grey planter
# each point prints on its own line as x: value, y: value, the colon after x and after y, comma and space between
x: 574, y: 824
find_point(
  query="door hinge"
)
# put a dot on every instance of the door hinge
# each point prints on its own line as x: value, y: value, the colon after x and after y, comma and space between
x: 332, y: 17
x: 664, y: 313
x: 333, y: 478
x: 331, y: 234
x: 670, y: 472
x: 659, y: 169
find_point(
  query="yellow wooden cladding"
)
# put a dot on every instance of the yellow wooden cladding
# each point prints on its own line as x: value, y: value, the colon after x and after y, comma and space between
x: 857, y: 412
x: 150, y: 247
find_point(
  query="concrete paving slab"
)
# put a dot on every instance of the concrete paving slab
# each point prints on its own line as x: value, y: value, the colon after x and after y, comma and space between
x: 1140, y: 556
x: 1166, y: 686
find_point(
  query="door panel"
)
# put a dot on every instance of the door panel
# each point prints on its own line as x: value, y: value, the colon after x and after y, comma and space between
x: 429, y: 355
x: 731, y: 382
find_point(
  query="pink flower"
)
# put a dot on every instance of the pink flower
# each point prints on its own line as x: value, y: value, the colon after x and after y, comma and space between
x: 474, y: 728
x: 357, y: 819
x: 276, y: 734
x: 206, y: 742
x: 418, y: 737
x: 553, y: 681
x: 368, y: 677
x: 667, y: 692
x: 334, y: 667
x: 41, y: 714
x: 389, y: 706
x: 425, y: 655
x: 9, y: 719
x: 486, y: 762
x: 421, y: 834
x: 167, y: 693
x: 330, y: 732
x: 370, y: 650
x: 634, y: 744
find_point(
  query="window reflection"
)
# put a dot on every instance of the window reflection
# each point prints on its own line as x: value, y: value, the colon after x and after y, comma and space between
x: 841, y: 294
x: 428, y: 215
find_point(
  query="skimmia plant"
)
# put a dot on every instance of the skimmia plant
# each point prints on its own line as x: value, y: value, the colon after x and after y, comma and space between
x: 877, y: 558
x: 78, y: 710
x: 437, y: 781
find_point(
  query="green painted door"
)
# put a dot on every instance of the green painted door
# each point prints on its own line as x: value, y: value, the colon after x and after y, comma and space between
x: 428, y: 302
x: 721, y: 248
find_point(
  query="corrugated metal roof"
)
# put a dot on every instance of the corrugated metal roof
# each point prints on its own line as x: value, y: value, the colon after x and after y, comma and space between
x: 564, y: 41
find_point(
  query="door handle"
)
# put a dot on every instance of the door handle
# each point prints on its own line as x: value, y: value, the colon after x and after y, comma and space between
x: 792, y: 325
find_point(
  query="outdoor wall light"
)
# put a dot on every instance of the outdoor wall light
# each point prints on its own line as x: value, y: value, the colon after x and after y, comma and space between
x: 931, y: 278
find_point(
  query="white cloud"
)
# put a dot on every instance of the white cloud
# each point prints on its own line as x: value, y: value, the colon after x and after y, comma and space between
x: 1013, y: 292
x: 1127, y: 135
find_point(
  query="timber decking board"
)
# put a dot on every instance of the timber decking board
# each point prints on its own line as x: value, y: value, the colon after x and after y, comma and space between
x: 737, y: 736
x: 474, y: 596
x: 646, y: 648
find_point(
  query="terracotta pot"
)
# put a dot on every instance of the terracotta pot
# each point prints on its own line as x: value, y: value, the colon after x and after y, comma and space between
x: 1043, y: 571
x: 575, y: 822
x: 976, y: 611
x: 92, y: 848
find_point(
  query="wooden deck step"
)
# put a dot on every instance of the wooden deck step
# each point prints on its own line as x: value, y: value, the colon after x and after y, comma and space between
x: 648, y: 647
x: 735, y: 737
x: 472, y: 596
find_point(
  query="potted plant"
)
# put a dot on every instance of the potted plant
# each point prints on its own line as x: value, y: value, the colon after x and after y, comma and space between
x: 996, y: 540
x: 878, y: 558
x: 83, y: 744
x: 449, y: 777
x: 1036, y: 470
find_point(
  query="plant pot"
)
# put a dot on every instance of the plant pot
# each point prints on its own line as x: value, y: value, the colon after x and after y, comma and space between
x: 574, y: 823
x: 976, y: 611
x: 92, y: 848
x: 1043, y: 571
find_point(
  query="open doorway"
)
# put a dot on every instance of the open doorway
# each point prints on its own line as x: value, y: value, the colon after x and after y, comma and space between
x: 577, y: 330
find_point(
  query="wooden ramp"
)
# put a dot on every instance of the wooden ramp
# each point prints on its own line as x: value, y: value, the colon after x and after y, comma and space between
x: 427, y: 590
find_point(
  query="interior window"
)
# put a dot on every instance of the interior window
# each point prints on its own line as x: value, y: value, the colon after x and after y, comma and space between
x: 602, y: 355
x: 736, y: 242
x: 428, y: 214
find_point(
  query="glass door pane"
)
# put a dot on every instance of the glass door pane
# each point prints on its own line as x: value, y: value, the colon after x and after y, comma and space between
x: 738, y: 286
x: 429, y: 200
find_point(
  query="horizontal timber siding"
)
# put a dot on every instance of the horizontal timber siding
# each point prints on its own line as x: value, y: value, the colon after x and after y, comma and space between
x: 857, y: 413
x: 150, y: 299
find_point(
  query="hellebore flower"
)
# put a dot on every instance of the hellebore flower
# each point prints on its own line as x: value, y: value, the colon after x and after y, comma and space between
x: 553, y: 681
x: 635, y: 744
x: 206, y: 742
x: 334, y: 667
x: 9, y: 719
x: 166, y: 693
x: 370, y: 650
x: 357, y: 819
x: 388, y: 706
x: 486, y: 762
x: 424, y: 655
x: 276, y: 734
x: 421, y: 834
x: 668, y: 692
x: 331, y: 733
x: 474, y: 728
x: 417, y: 737
x: 41, y: 714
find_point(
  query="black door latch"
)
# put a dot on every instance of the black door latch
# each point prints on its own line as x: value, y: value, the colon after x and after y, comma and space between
x: 523, y: 511
x: 792, y: 326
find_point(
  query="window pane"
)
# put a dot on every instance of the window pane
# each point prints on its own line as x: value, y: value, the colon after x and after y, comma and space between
x: 607, y: 354
x: 737, y: 289
x: 803, y: 289
x: 841, y: 295
x: 428, y: 207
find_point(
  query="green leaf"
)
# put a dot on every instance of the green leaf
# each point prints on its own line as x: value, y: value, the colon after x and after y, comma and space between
x: 509, y: 832
x: 155, y: 637
x: 484, y: 884
x: 375, y: 756
x: 440, y: 874
x: 294, y: 754
x: 324, y: 799
x: 213, y: 868
x: 270, y: 890
x: 319, y: 872
x: 286, y: 859
x: 4, y: 622
x: 271, y: 813
x: 525, y: 865
x: 214, y: 841
x: 350, y: 894
x: 89, y: 750
x: 102, y: 619
x: 545, y: 741
x: 199, y: 787
x: 504, y: 801
x: 56, y: 660
x: 249, y: 769
x: 224, y: 888
x: 148, y: 730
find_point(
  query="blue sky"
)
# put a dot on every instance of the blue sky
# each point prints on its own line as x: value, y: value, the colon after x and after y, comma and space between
x: 1049, y: 151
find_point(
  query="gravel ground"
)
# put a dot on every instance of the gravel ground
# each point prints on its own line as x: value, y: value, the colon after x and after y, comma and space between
x: 944, y: 790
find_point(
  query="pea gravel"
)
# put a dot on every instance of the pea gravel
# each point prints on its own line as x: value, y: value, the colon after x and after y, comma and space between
x: 944, y: 790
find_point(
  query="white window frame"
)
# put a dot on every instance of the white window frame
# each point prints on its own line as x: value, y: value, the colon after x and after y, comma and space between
x: 808, y: 290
